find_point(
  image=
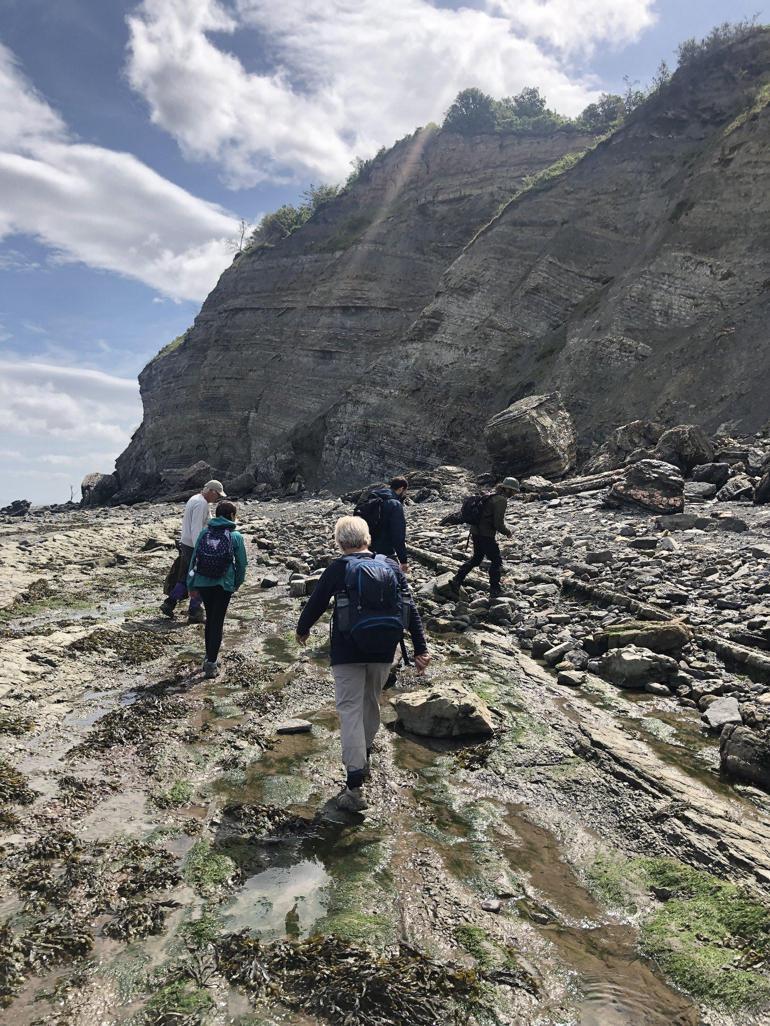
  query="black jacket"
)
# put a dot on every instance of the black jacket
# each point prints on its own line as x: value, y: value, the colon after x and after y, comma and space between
x: 343, y: 650
x: 390, y: 536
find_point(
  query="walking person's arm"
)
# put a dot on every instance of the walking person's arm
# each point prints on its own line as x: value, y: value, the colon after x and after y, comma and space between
x: 329, y: 583
x: 398, y: 532
x: 241, y: 560
x: 191, y: 567
x: 500, y: 506
x: 416, y: 630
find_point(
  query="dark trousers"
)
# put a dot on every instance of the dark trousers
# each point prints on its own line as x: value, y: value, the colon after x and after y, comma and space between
x: 215, y: 601
x: 483, y: 547
x: 179, y: 591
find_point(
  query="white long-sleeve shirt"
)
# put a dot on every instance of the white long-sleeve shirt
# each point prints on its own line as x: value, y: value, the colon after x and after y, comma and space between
x: 196, y: 516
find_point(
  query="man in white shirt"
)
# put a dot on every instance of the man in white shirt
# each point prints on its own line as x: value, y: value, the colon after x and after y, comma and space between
x: 196, y: 516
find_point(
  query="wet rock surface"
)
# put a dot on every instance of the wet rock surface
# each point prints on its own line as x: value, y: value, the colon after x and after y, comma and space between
x: 148, y: 816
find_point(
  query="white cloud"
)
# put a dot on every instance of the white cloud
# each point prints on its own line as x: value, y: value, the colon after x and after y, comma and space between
x: 578, y: 25
x: 99, y: 206
x: 58, y: 424
x: 346, y: 78
x: 46, y: 401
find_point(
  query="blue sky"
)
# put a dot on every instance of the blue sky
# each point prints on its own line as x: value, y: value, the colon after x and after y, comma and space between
x: 135, y: 135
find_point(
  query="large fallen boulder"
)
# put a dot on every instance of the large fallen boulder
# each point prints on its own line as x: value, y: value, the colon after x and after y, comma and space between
x: 17, y: 508
x: 444, y: 710
x: 651, y: 485
x: 98, y: 489
x: 633, y: 667
x: 614, y: 453
x: 685, y: 446
x: 534, y: 436
x: 666, y: 636
x: 711, y: 473
x: 745, y: 754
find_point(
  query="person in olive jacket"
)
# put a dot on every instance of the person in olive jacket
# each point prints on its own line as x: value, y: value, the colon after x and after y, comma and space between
x: 492, y: 522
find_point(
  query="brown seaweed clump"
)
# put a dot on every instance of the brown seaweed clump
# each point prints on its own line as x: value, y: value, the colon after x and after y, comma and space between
x: 328, y: 977
x: 265, y: 821
x: 47, y: 943
x: 130, y: 647
x: 12, y: 723
x: 139, y: 920
x: 13, y: 965
x: 13, y: 786
x: 130, y: 725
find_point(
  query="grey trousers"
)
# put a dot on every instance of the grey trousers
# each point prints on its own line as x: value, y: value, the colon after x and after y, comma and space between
x: 357, y: 689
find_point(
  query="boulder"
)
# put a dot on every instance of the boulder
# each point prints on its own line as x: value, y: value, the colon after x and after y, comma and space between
x: 535, y: 484
x: 683, y: 522
x: 534, y: 436
x: 615, y: 452
x: 699, y: 491
x: 762, y: 491
x: 294, y: 727
x: 243, y: 484
x: 685, y: 446
x: 98, y: 489
x: 720, y: 712
x: 662, y: 636
x: 633, y: 667
x: 738, y: 488
x: 744, y: 754
x: 650, y: 485
x: 188, y: 479
x: 711, y: 473
x: 17, y: 508
x: 444, y: 710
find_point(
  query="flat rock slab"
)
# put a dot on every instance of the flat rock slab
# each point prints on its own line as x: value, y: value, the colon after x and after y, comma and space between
x: 721, y: 712
x: 294, y: 727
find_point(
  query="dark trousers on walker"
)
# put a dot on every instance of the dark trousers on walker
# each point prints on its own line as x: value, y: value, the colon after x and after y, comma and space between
x: 215, y: 602
x: 483, y: 547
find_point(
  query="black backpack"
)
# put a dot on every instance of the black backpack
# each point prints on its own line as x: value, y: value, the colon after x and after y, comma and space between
x: 370, y: 510
x: 372, y: 609
x: 473, y: 507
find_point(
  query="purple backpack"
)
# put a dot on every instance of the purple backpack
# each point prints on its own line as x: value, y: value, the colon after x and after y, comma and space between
x: 215, y: 552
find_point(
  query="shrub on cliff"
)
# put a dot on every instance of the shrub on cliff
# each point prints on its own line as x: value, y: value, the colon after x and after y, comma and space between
x: 471, y: 112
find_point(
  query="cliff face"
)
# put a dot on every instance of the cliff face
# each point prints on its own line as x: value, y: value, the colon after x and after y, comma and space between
x: 288, y: 329
x: 636, y: 282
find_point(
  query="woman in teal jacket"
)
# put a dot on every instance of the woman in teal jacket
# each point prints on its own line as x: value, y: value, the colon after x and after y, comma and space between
x: 216, y: 592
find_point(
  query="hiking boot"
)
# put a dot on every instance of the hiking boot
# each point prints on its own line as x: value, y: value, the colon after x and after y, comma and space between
x: 351, y: 800
x: 197, y: 615
x: 210, y: 669
x: 455, y: 587
x: 167, y: 609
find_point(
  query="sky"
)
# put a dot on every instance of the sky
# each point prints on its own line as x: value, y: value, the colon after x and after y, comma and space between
x: 134, y: 137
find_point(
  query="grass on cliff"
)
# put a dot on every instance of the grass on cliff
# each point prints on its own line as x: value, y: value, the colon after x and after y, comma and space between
x: 710, y: 937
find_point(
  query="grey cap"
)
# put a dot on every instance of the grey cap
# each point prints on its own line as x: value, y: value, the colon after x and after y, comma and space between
x: 214, y: 486
x: 510, y: 483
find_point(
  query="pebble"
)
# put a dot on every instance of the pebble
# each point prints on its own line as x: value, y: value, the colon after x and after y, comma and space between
x: 294, y: 727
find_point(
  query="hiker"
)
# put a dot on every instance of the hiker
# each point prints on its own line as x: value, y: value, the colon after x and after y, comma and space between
x: 491, y: 522
x: 372, y: 608
x: 383, y: 510
x: 217, y: 569
x: 196, y: 516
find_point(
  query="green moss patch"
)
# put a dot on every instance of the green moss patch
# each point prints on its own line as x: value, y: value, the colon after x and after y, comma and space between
x: 710, y: 937
x: 206, y: 869
x: 180, y: 793
x: 180, y: 1001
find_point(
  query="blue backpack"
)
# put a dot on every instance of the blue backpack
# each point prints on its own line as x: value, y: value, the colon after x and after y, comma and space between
x: 372, y: 609
x: 215, y: 553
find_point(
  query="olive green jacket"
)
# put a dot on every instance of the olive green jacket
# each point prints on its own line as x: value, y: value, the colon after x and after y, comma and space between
x: 493, y: 518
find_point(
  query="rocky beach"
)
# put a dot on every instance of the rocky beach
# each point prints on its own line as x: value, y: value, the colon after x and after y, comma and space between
x: 569, y: 816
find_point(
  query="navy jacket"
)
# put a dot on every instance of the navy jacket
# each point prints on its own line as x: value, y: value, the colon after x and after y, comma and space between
x: 343, y: 650
x: 390, y: 537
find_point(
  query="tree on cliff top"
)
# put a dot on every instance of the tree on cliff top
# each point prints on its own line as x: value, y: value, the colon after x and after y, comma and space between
x: 470, y: 113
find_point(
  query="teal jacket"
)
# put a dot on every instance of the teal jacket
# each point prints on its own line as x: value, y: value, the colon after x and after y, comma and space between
x: 234, y: 576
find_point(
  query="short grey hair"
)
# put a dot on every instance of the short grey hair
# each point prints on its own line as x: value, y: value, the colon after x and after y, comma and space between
x: 352, y: 533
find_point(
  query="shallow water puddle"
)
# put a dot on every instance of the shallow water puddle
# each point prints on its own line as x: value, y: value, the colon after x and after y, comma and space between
x: 281, y: 901
x: 617, y: 987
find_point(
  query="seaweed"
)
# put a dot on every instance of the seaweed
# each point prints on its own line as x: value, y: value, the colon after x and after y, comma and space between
x: 13, y: 786
x: 13, y: 723
x: 130, y: 647
x: 13, y: 965
x: 139, y: 920
x: 130, y: 725
x: 265, y: 821
x: 343, y: 983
